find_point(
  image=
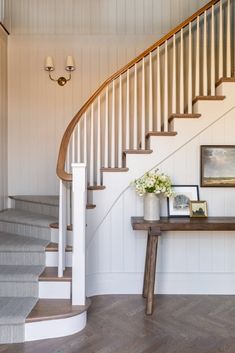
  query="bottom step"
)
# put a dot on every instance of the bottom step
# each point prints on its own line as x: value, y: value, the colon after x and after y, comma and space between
x: 53, y: 318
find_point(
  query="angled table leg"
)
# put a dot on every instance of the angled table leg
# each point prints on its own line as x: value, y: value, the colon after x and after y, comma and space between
x: 146, y: 269
x: 153, y: 234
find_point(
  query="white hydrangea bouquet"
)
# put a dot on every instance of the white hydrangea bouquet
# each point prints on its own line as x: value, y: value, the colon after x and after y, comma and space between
x: 154, y: 182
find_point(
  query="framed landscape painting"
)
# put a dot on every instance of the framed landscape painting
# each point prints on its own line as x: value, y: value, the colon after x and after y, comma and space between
x: 218, y: 166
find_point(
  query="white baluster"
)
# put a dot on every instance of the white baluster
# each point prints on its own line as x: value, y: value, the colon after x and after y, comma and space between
x: 73, y: 145
x: 228, y: 45
x: 91, y: 171
x: 220, y: 40
x: 205, y: 89
x: 174, y: 77
x: 158, y: 91
x: 181, y: 71
x: 79, y: 142
x: 143, y: 107
x: 79, y: 234
x: 135, y: 128
x: 98, y: 161
x: 212, y: 51
x: 197, y: 74
x: 166, y: 89
x: 150, y: 127
x: 106, y: 129
x: 68, y: 158
x: 85, y: 139
x: 113, y: 127
x: 62, y: 227
x: 120, y: 124
x: 128, y: 109
x: 190, y: 69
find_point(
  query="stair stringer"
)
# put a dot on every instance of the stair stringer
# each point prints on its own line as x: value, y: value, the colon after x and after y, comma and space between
x: 163, y: 147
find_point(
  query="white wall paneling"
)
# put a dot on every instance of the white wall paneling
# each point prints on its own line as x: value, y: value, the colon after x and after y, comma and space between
x: 113, y: 17
x: 40, y: 110
x: 3, y: 118
x: 188, y: 262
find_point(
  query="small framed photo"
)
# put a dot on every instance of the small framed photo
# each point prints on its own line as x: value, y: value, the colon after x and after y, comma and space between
x: 179, y: 204
x: 218, y: 165
x: 198, y: 209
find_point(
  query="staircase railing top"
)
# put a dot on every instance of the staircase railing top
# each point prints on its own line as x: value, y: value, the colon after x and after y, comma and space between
x: 60, y: 170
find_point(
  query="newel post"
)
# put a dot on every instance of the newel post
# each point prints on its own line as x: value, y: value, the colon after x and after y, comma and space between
x: 79, y: 232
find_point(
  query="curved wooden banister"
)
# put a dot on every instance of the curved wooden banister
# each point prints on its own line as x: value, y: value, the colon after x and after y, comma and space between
x: 60, y: 170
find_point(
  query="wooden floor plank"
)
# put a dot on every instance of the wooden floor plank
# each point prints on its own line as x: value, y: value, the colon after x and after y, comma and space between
x: 118, y: 324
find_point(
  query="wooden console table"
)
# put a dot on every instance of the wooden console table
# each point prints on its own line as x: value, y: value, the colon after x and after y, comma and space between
x: 156, y: 228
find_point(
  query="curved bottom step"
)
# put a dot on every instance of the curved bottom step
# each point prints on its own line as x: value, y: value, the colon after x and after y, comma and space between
x: 53, y: 318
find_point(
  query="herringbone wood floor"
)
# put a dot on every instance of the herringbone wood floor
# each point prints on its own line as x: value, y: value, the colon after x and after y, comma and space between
x: 117, y: 324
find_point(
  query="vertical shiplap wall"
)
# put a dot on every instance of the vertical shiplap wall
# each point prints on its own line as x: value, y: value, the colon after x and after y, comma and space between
x: 188, y: 262
x: 102, y: 35
x: 3, y: 118
x: 104, y: 17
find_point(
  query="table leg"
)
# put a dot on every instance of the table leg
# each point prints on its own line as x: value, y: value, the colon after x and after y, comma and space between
x: 152, y: 270
x: 146, y: 269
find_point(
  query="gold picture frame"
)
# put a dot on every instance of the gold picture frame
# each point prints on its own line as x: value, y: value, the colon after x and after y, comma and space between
x: 198, y: 209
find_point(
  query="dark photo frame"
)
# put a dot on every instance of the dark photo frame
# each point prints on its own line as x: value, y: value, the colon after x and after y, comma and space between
x: 217, y: 165
x: 179, y: 204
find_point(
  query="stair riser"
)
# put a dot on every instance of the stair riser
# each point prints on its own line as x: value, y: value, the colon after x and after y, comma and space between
x: 55, y: 236
x: 25, y: 229
x: 52, y: 259
x: 20, y: 258
x: 55, y: 290
x: 37, y: 208
x: 18, y: 289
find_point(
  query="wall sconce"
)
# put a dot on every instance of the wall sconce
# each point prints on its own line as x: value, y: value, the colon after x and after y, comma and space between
x: 70, y: 66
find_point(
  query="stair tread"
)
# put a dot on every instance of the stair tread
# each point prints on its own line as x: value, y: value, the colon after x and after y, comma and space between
x: 208, y: 98
x: 161, y: 133
x: 183, y: 116
x: 49, y: 200
x: 9, y: 273
x: 54, y: 247
x: 132, y: 151
x: 56, y: 226
x: 13, y: 215
x: 51, y: 309
x: 114, y: 170
x: 51, y: 274
x: 12, y: 242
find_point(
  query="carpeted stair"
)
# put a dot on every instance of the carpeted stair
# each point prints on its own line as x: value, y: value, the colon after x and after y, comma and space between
x: 24, y: 236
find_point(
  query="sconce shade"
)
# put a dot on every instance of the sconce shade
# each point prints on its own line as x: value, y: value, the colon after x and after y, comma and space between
x: 49, y: 65
x: 70, y: 65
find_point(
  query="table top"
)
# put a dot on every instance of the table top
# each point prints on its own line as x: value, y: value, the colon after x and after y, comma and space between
x: 185, y: 223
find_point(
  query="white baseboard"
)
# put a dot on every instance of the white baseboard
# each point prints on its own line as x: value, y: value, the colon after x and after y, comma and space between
x: 54, y: 290
x: 166, y: 283
x: 55, y: 328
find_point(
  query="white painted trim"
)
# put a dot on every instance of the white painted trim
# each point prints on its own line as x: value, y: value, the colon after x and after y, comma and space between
x: 166, y: 283
x: 54, y: 290
x: 55, y: 328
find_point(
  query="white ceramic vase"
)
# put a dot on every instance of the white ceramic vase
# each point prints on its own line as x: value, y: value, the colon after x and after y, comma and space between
x: 151, y: 207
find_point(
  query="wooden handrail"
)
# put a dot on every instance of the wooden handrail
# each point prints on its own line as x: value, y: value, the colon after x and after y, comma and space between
x: 62, y: 174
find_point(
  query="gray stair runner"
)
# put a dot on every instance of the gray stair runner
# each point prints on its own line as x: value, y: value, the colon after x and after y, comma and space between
x: 23, y: 238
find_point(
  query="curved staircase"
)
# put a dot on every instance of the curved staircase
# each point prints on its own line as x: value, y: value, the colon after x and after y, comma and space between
x: 135, y: 121
x: 34, y: 302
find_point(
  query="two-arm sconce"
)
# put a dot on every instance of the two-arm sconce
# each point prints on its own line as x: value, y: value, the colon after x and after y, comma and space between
x: 70, y: 66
